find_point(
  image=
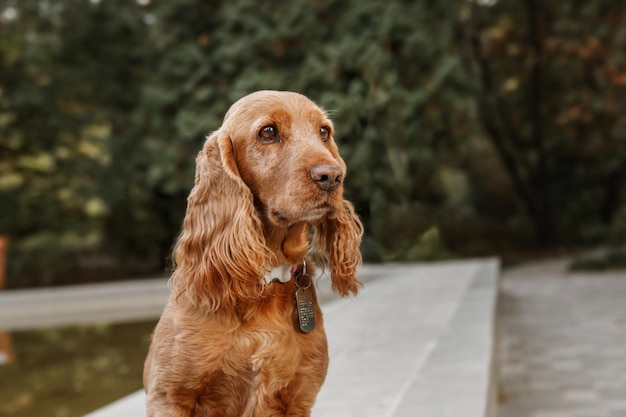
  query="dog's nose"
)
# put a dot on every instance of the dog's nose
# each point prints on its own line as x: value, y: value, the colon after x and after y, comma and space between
x: 327, y: 177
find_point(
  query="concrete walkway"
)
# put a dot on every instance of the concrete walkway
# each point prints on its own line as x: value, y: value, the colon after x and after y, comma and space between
x: 563, y: 342
x: 417, y: 341
x: 110, y: 302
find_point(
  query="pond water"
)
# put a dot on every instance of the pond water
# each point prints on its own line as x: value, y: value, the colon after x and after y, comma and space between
x: 70, y: 371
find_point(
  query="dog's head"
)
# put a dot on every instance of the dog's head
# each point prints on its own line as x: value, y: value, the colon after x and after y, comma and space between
x: 286, y: 155
x: 271, y: 171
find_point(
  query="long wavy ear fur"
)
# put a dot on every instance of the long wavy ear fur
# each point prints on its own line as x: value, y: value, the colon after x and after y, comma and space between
x: 336, y: 242
x: 220, y: 256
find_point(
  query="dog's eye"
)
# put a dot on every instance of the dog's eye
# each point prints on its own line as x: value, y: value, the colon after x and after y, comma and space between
x: 269, y: 134
x: 324, y: 133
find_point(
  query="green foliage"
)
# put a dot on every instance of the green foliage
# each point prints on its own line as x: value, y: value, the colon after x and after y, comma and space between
x: 618, y: 227
x: 429, y: 248
x: 615, y: 258
x: 614, y: 255
x: 490, y: 125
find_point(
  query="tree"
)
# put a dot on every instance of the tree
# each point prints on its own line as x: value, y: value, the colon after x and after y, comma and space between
x: 467, y: 127
x: 547, y: 91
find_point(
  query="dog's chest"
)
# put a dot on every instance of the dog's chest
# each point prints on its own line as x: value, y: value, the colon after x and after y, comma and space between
x: 270, y: 360
x: 257, y: 365
x: 271, y: 355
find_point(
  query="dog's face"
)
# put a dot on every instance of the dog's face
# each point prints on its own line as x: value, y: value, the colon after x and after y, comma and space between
x: 286, y: 155
x: 271, y: 168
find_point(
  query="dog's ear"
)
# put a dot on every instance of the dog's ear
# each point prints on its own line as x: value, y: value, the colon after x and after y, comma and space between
x: 220, y: 256
x: 336, y: 242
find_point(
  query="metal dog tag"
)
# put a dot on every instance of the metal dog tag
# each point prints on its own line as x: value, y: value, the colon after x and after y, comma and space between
x: 305, y: 303
x: 306, y: 309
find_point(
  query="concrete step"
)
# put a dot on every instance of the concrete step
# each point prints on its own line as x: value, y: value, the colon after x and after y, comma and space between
x: 459, y: 378
x: 110, y: 302
x: 417, y: 341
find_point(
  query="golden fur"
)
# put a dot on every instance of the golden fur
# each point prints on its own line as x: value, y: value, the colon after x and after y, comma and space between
x: 228, y: 343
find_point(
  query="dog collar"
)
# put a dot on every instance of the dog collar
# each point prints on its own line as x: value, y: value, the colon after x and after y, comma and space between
x: 305, y: 296
x: 280, y: 273
x: 284, y: 273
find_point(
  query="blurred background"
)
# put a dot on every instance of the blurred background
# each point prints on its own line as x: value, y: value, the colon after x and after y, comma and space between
x: 469, y: 127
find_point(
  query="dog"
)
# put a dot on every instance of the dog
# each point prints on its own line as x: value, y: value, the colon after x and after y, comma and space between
x: 242, y: 333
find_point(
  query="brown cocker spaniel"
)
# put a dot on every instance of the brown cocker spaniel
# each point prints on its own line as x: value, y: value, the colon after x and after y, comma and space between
x: 242, y: 333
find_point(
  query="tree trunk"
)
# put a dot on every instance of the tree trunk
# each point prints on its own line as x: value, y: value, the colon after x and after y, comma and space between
x: 524, y: 159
